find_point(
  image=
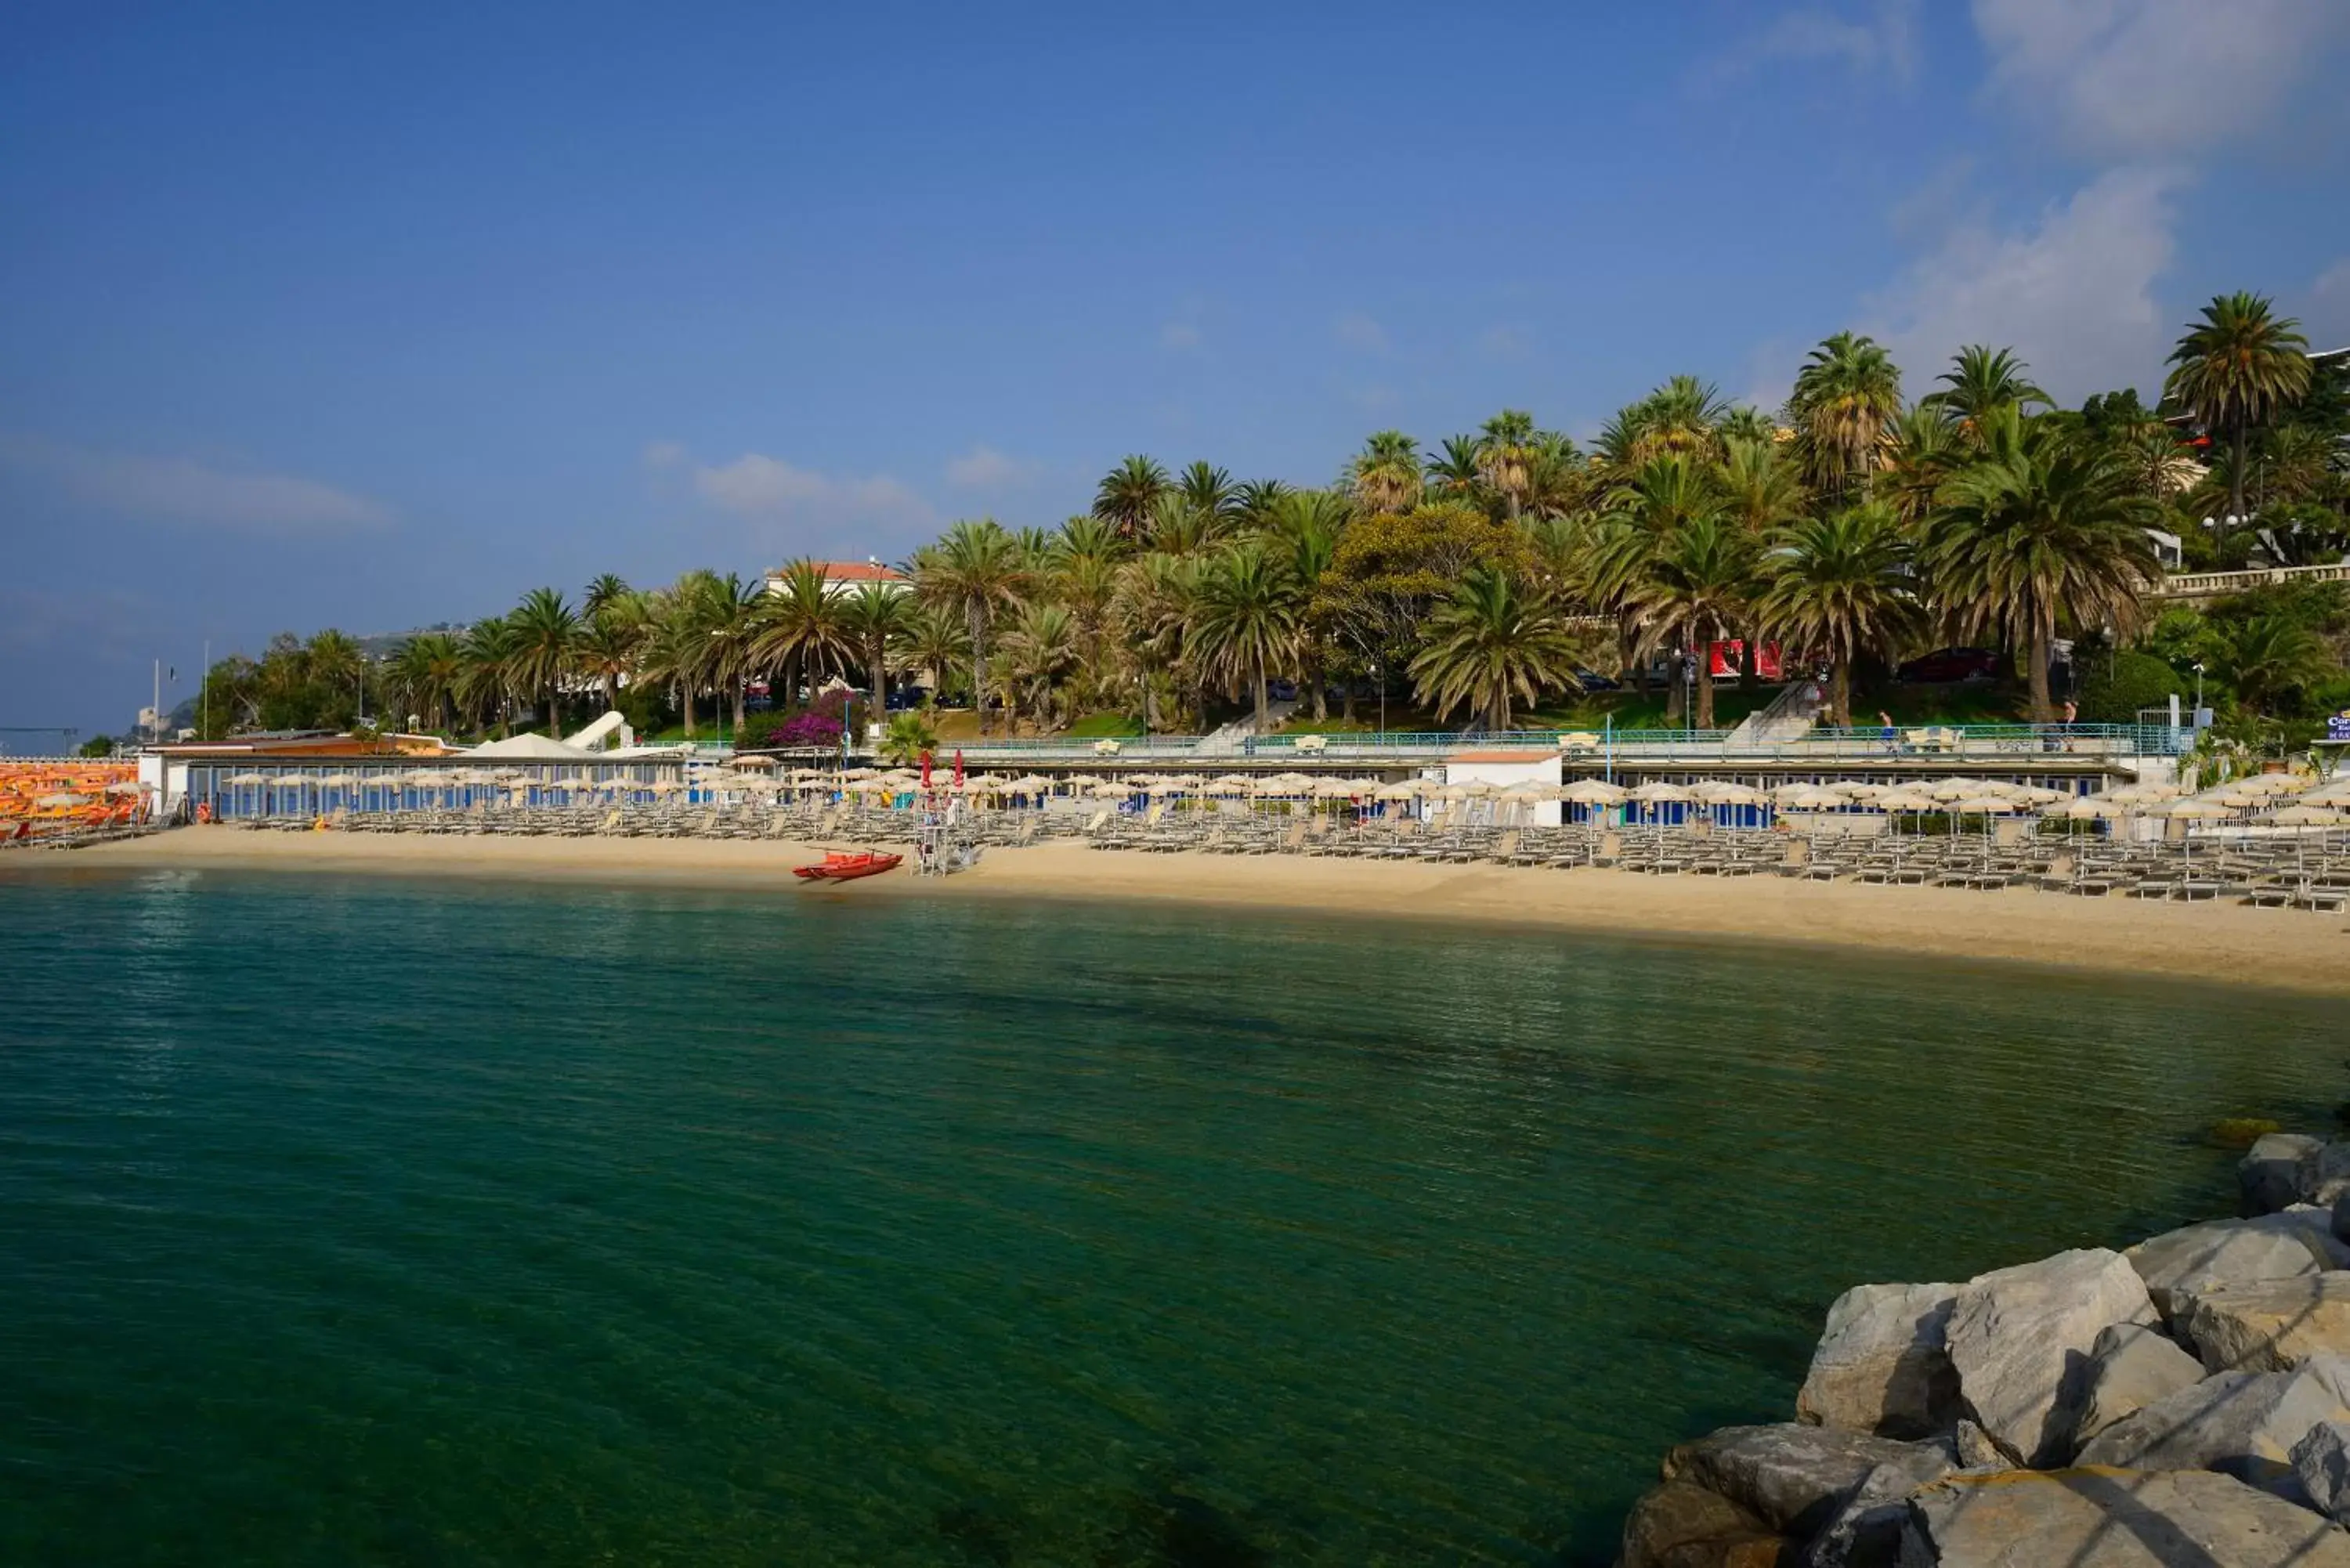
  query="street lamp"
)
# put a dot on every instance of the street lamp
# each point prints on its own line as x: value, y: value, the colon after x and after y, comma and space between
x: 1380, y: 680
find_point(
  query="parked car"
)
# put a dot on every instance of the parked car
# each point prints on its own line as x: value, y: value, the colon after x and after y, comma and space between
x: 905, y: 697
x: 1945, y: 665
x: 1592, y: 681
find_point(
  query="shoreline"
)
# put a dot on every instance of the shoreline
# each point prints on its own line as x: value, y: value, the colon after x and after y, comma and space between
x: 2290, y: 951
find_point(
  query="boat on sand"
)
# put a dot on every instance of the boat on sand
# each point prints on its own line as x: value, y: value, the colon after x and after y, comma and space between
x: 846, y: 865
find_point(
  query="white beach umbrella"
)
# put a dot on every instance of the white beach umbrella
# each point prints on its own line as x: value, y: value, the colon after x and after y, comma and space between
x: 1906, y: 800
x: 248, y: 780
x: 1658, y: 790
x: 2304, y: 815
x: 2193, y: 809
x: 752, y: 762
x: 1813, y: 800
x: 1225, y: 788
x: 1407, y: 789
x: 1595, y: 791
x: 2095, y: 807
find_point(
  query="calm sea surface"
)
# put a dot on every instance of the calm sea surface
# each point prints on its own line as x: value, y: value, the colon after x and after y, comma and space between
x: 386, y: 1222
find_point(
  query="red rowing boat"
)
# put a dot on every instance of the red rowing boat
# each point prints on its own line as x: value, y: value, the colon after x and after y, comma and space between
x: 848, y: 866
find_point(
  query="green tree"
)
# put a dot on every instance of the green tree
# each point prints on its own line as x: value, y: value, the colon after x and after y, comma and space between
x: 1694, y: 588
x: 1982, y: 379
x: 545, y: 638
x: 1129, y: 491
x: 2273, y: 657
x: 607, y: 588
x: 1847, y: 394
x: 611, y: 642
x: 936, y: 642
x: 1841, y: 584
x: 1384, y: 476
x: 1246, y: 620
x: 2040, y: 530
x: 910, y: 734
x: 1491, y: 639
x: 976, y: 568
x: 871, y: 619
x: 2236, y: 369
x: 799, y: 628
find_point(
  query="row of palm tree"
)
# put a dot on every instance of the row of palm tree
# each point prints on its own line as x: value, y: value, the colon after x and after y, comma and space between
x: 1484, y: 571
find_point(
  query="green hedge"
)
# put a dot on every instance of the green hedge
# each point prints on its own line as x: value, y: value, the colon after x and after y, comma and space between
x: 2115, y: 692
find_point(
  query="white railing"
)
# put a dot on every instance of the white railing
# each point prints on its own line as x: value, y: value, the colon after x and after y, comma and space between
x: 2210, y: 585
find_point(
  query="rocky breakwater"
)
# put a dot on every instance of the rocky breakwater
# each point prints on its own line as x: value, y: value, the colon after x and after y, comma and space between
x: 2184, y: 1403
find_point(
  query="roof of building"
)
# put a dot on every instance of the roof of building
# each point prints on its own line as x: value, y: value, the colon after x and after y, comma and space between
x: 850, y: 572
x: 309, y: 744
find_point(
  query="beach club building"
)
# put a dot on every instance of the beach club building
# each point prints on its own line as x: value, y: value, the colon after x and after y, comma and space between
x: 317, y: 773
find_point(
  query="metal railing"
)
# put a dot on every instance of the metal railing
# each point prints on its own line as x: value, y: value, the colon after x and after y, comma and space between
x: 1997, y: 742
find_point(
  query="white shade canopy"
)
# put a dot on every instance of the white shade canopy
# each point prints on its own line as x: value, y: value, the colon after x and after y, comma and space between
x: 2309, y: 817
x: 1408, y: 789
x: 1595, y: 791
x: 1659, y: 790
x: 1906, y: 800
x: 2194, y: 808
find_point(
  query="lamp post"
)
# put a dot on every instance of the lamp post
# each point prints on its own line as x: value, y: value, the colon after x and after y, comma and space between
x: 1380, y: 679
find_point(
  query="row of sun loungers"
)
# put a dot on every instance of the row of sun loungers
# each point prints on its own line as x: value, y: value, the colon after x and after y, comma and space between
x: 2275, y: 874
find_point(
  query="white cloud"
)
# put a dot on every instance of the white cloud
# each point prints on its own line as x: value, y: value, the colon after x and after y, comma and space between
x: 1883, y: 38
x: 183, y: 493
x: 757, y: 485
x: 1355, y: 330
x: 2073, y: 293
x: 1180, y: 336
x: 985, y: 468
x: 2149, y: 78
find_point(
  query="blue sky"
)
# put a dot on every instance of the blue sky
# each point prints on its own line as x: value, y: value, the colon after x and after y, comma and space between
x: 317, y: 320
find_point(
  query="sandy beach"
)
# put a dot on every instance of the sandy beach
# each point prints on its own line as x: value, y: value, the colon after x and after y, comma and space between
x: 2216, y: 942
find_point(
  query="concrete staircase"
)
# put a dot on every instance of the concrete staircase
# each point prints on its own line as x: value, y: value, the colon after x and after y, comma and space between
x: 1788, y: 717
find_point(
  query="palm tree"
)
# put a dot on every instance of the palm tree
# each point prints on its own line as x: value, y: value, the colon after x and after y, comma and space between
x: 1385, y: 475
x: 2041, y: 529
x: 936, y: 641
x: 1208, y: 490
x: 872, y: 619
x: 486, y: 685
x: 611, y: 640
x: 2271, y: 655
x: 1127, y: 493
x: 607, y: 588
x: 1040, y: 650
x: 1157, y: 594
x: 676, y: 644
x: 1505, y: 446
x: 975, y: 567
x: 335, y: 660
x: 1924, y: 451
x: 1245, y: 622
x: 1845, y: 395
x: 1747, y: 422
x: 1178, y: 528
x: 1257, y: 498
x: 545, y: 631
x: 1491, y: 639
x: 1693, y: 590
x: 426, y: 672
x: 2235, y: 369
x: 1457, y: 472
x: 798, y: 629
x: 1684, y: 415
x: 1839, y: 585
x: 1982, y: 379
x: 735, y: 611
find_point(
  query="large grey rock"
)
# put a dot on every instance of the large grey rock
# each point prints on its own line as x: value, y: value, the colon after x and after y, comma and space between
x: 2131, y: 1367
x: 2287, y: 1245
x: 1795, y: 1477
x: 2021, y: 1340
x: 2324, y: 1173
x: 2321, y: 1462
x: 2270, y: 1325
x: 2113, y: 1519
x: 2270, y: 1175
x: 1866, y: 1532
x: 1679, y: 1525
x: 2242, y: 1424
x: 1882, y: 1364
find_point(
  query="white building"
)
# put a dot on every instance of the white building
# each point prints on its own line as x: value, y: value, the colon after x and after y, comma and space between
x: 848, y: 576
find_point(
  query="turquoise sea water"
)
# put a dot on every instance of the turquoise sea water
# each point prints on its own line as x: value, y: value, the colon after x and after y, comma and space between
x: 382, y: 1222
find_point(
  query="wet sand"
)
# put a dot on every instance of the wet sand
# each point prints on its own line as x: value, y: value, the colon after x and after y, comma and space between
x: 2216, y: 942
